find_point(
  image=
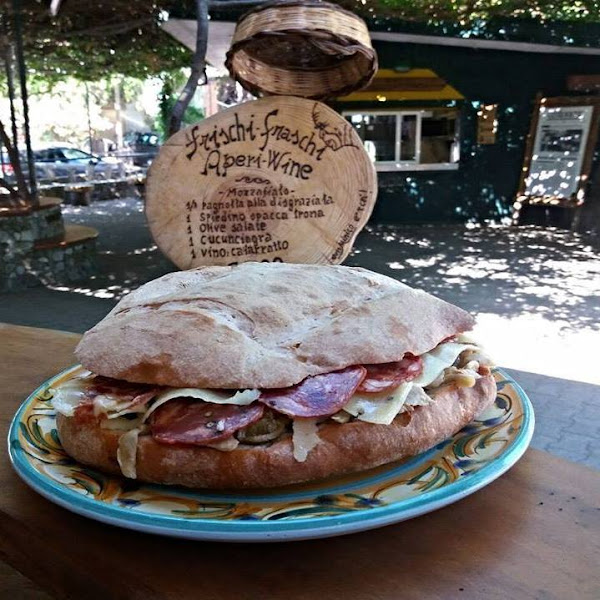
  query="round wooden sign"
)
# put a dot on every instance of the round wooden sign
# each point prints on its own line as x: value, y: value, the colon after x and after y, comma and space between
x: 277, y: 179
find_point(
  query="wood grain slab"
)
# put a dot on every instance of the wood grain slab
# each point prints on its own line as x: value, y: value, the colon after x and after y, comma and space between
x: 277, y: 179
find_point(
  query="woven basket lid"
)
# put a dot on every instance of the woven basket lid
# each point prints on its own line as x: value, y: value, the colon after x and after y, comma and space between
x: 302, y: 48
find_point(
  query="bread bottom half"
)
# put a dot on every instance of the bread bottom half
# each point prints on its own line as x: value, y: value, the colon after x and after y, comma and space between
x: 344, y: 448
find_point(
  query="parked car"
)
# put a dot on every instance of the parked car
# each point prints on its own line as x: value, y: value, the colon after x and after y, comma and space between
x: 141, y: 147
x: 64, y: 164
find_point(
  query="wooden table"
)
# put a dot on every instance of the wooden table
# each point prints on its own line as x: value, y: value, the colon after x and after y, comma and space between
x: 534, y: 533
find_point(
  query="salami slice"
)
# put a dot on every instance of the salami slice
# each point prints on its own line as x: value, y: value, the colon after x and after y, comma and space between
x: 135, y: 393
x: 387, y: 376
x: 128, y: 395
x: 189, y: 421
x: 317, y: 396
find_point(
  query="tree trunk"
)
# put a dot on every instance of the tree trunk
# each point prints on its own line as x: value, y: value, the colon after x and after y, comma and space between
x: 19, y: 192
x: 198, y: 68
x: 32, y: 192
x: 8, y: 67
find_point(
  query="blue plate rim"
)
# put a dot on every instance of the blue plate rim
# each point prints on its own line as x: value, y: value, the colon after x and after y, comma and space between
x: 269, y: 530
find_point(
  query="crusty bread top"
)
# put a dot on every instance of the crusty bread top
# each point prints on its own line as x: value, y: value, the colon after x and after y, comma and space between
x: 264, y: 325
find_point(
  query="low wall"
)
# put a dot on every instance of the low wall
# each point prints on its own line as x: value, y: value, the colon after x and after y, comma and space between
x: 33, y: 250
x: 57, y: 266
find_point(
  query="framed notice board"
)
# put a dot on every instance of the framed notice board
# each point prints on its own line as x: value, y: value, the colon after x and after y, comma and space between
x: 559, y: 152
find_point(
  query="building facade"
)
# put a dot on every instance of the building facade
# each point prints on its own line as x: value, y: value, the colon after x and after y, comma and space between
x: 450, y: 146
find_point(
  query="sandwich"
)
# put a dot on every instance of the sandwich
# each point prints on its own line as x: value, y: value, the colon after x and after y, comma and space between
x: 267, y: 374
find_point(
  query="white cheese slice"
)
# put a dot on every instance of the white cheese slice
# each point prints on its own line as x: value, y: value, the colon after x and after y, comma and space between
x: 438, y: 359
x: 127, y: 453
x: 379, y: 408
x: 113, y: 406
x: 341, y: 417
x: 121, y: 424
x: 226, y: 445
x: 241, y: 398
x: 305, y: 437
x: 418, y: 397
x: 68, y: 396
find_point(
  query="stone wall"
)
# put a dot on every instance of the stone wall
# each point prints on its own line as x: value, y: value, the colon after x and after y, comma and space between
x: 23, y: 264
x: 41, y: 224
x: 58, y: 266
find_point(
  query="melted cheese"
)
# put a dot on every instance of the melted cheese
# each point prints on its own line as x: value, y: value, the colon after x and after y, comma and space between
x: 113, y: 407
x: 438, y: 359
x: 341, y: 417
x: 68, y: 396
x: 127, y: 453
x: 305, y: 437
x: 120, y: 424
x: 242, y: 398
x: 417, y: 397
x: 379, y: 408
x: 226, y: 445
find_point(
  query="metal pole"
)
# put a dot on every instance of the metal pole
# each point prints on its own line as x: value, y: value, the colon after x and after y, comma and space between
x: 8, y: 65
x: 24, y: 99
x: 118, y: 115
x: 89, y: 120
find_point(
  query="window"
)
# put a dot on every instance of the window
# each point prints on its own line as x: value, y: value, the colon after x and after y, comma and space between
x: 74, y: 154
x: 409, y: 140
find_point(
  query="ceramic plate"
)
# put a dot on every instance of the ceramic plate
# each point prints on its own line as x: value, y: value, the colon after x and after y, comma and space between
x: 471, y: 459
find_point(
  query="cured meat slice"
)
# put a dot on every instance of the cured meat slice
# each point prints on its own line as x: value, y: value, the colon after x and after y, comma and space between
x: 317, y: 396
x: 189, y: 421
x: 387, y: 376
x: 120, y: 394
x: 124, y: 391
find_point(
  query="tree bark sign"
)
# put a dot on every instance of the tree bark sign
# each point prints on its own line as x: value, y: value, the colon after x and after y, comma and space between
x: 277, y: 179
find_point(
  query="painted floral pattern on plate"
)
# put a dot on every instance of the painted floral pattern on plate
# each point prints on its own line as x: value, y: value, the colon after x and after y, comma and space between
x: 462, y: 456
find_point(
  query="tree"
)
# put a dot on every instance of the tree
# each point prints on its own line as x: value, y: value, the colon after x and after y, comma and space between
x: 18, y: 193
x: 198, y: 67
x: 167, y: 99
x: 90, y: 40
x: 87, y: 40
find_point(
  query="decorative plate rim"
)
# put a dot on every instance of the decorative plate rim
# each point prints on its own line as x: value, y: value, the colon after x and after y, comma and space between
x: 294, y: 529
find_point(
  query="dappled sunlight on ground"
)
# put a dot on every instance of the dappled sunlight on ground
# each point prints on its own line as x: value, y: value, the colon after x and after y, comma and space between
x: 535, y: 344
x: 536, y: 291
x: 127, y: 255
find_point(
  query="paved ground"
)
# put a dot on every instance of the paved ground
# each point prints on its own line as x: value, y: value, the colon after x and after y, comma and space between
x: 536, y: 293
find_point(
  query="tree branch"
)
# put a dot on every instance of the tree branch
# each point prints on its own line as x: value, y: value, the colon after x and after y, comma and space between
x: 12, y: 192
x: 198, y: 68
x: 15, y: 161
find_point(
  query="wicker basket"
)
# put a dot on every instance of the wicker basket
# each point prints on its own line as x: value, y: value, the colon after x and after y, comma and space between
x: 305, y: 48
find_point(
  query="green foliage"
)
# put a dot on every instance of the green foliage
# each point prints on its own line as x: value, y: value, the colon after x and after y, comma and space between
x: 470, y: 11
x: 90, y: 41
x: 166, y: 100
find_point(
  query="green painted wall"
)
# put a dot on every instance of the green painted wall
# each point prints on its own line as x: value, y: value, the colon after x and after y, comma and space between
x: 487, y: 179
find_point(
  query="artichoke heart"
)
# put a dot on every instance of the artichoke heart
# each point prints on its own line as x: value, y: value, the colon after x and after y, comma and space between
x: 267, y: 429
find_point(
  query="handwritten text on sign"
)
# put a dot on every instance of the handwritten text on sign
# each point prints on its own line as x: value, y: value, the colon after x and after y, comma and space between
x: 276, y: 179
